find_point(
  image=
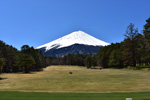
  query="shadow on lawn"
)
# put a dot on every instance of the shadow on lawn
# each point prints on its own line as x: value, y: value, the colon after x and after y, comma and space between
x: 2, y: 78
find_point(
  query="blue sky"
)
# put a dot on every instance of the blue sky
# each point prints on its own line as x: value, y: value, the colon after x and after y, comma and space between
x: 36, y: 22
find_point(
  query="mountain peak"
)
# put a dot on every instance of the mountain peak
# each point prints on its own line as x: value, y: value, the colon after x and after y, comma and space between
x: 77, y: 33
x: 77, y: 37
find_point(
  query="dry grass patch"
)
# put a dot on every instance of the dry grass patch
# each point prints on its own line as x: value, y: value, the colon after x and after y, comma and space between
x: 58, y: 79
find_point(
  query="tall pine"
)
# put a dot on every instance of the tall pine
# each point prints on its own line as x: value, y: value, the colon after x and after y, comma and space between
x: 146, y: 33
x: 130, y: 45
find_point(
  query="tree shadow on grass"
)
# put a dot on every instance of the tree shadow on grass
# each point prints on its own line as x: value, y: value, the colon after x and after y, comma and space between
x: 33, y: 72
x: 2, y: 78
x: 28, y: 73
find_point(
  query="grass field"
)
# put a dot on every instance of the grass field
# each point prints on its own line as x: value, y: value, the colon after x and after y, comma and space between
x: 72, y: 96
x: 56, y: 79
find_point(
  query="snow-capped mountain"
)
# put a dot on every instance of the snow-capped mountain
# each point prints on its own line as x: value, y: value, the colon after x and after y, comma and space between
x: 73, y: 44
x: 78, y: 37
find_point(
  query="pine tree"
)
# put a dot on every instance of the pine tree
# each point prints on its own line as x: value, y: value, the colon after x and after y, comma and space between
x: 130, y: 45
x: 146, y: 33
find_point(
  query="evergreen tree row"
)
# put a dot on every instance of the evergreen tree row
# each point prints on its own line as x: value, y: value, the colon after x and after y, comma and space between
x: 76, y: 60
x: 26, y: 60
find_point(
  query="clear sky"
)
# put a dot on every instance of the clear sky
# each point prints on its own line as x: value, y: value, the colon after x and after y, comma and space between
x: 36, y: 22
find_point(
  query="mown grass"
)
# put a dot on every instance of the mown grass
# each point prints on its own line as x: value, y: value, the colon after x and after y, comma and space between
x: 56, y: 79
x: 72, y: 96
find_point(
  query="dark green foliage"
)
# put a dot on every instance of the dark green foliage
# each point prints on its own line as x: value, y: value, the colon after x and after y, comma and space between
x: 146, y: 31
x: 24, y: 62
x: 110, y: 56
x: 79, y: 59
x: 103, y: 56
x: 2, y: 63
x: 130, y: 45
x: 88, y: 60
x: 141, y: 51
x: 69, y: 59
x: 25, y: 49
x: 8, y: 52
x: 40, y: 61
x: 116, y: 56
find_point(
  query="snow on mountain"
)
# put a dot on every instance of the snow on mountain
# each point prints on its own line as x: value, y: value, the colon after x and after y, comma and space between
x: 77, y: 37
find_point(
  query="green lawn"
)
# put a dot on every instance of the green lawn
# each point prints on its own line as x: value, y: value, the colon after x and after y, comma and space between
x: 72, y: 96
x: 56, y: 79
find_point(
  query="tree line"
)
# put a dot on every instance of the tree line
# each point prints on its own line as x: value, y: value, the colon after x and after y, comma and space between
x: 76, y: 60
x: 26, y: 60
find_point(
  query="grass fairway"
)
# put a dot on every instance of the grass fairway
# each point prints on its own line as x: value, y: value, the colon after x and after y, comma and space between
x: 55, y: 83
x: 56, y: 79
x: 72, y: 96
